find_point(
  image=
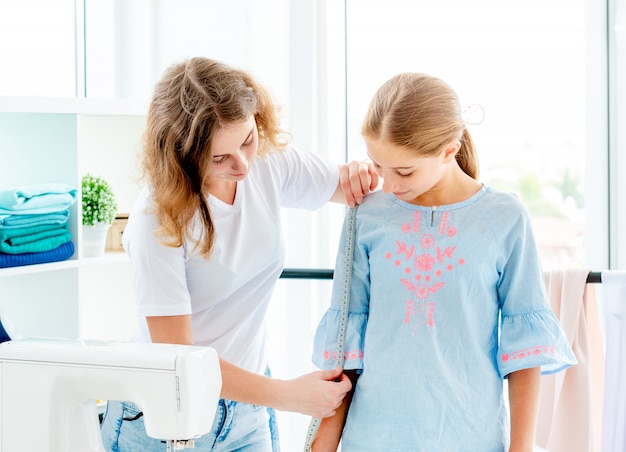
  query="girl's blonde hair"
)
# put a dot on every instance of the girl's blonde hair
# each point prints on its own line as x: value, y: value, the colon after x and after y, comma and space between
x: 192, y: 101
x: 422, y: 113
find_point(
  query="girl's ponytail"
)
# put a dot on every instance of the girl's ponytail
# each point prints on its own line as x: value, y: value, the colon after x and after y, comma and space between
x: 467, y: 157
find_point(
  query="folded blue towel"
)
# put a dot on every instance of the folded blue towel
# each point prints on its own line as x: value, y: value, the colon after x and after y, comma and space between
x: 36, y: 241
x: 26, y: 234
x: 37, y: 199
x: 33, y: 239
x: 20, y: 220
x: 61, y: 253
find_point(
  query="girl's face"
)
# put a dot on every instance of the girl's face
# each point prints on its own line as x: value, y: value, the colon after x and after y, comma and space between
x: 405, y: 174
x: 234, y: 147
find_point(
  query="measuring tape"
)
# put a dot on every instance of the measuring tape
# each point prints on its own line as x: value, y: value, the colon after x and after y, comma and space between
x: 348, y: 252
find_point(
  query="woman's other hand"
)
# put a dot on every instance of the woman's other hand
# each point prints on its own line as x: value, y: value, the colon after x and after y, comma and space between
x: 356, y: 180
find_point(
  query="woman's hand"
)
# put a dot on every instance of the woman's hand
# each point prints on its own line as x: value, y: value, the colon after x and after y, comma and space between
x: 356, y: 180
x: 316, y: 394
x: 329, y: 432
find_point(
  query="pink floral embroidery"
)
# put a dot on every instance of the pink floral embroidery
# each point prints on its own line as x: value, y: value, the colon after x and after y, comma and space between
x: 403, y: 250
x: 444, y: 223
x: 421, y: 291
x: 526, y: 352
x: 427, y: 241
x: 424, y: 262
x: 349, y: 354
x: 425, y: 311
x: 429, y: 264
x: 447, y: 253
x: 409, y: 311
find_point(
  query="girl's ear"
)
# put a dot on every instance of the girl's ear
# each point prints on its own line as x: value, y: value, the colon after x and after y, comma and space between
x: 451, y: 149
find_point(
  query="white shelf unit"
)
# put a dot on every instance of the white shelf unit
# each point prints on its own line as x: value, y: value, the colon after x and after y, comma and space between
x: 46, y: 140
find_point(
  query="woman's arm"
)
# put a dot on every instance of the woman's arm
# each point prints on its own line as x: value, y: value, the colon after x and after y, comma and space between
x: 356, y: 180
x: 315, y: 394
x: 330, y: 429
x: 523, y: 400
x: 173, y: 329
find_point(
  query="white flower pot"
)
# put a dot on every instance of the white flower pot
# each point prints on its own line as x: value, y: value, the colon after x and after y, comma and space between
x: 94, y: 239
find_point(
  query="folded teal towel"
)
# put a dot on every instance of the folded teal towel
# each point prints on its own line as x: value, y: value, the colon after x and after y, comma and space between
x: 37, y: 240
x: 37, y: 199
x: 17, y: 236
x: 20, y: 220
x: 61, y: 253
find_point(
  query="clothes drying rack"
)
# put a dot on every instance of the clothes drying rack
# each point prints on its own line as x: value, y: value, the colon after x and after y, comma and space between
x: 327, y: 273
x: 594, y: 278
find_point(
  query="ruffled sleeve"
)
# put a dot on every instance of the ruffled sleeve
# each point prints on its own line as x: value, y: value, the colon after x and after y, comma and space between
x: 533, y: 339
x: 530, y: 333
x: 325, y: 345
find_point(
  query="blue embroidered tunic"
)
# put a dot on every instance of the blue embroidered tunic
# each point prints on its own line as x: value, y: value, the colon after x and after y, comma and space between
x: 444, y: 303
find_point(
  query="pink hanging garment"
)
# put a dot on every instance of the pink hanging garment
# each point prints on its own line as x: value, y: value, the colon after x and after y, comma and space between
x: 570, y: 403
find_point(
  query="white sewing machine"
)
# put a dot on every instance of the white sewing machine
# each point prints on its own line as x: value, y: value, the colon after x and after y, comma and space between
x: 49, y: 387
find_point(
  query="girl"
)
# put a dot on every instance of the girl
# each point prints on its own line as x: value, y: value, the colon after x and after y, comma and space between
x: 206, y: 249
x: 446, y: 298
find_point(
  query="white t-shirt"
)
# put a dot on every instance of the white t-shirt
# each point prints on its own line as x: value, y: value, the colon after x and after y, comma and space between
x: 228, y: 293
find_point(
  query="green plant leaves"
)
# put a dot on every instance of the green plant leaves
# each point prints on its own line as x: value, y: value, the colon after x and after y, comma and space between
x: 98, y: 199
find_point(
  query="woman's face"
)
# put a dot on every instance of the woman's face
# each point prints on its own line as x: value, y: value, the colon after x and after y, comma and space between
x: 234, y: 147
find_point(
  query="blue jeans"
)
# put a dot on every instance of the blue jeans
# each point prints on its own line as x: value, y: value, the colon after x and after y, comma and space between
x: 237, y: 427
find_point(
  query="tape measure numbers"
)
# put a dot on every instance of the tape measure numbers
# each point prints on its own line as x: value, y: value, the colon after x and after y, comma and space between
x: 348, y: 252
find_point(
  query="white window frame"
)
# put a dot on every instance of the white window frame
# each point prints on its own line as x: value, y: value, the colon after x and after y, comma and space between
x: 616, y: 159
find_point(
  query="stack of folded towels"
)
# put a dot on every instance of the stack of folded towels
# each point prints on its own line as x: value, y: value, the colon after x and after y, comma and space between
x: 34, y: 224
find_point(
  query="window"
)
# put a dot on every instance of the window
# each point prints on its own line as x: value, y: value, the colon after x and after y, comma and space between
x: 37, y: 48
x: 523, y: 62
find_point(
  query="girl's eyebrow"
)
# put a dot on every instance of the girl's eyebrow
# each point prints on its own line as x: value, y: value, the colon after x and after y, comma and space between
x: 397, y: 168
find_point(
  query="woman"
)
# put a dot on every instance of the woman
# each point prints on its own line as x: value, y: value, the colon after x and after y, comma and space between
x: 205, y: 246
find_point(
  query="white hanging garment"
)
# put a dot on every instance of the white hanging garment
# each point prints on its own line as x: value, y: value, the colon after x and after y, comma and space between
x: 614, y: 425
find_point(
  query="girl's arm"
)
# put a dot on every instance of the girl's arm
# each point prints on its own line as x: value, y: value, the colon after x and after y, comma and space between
x: 330, y: 429
x: 315, y: 394
x: 523, y: 401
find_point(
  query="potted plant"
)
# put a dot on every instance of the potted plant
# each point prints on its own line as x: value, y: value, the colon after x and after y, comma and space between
x: 99, y: 209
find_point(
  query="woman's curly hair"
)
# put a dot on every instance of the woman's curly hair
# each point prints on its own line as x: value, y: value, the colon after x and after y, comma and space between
x: 192, y: 101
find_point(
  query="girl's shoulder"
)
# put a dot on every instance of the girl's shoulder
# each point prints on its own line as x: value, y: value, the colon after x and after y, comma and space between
x: 502, y: 201
x: 374, y: 202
